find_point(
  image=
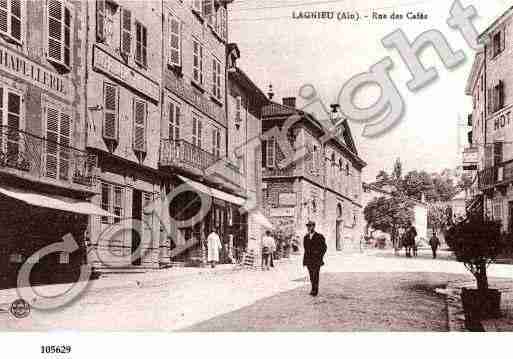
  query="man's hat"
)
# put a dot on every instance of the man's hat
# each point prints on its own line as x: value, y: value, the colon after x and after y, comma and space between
x: 310, y: 223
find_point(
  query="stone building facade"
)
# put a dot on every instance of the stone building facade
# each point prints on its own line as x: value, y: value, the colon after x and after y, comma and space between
x: 124, y: 52
x: 44, y: 169
x: 492, y: 92
x: 324, y: 185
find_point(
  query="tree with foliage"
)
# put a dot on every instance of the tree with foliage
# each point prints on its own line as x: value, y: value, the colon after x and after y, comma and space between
x: 437, y: 217
x: 389, y: 215
x: 476, y: 242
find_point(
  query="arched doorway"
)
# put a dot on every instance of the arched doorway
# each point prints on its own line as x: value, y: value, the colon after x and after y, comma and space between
x: 338, y: 229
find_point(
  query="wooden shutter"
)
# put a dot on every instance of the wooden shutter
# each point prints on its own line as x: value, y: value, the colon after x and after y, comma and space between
x: 177, y: 122
x: 224, y: 32
x: 501, y: 94
x: 199, y: 133
x: 170, y: 118
x: 126, y: 32
x: 110, y: 120
x: 214, y: 142
x: 67, y: 37
x: 16, y: 19
x: 55, y: 35
x: 100, y: 20
x: 174, y: 57
x: 65, y: 142
x: 52, y: 136
x: 238, y: 109
x: 4, y: 14
x: 194, y: 131
x: 139, y: 112
x: 264, y: 153
x: 218, y: 135
x: 13, y: 121
x: 271, y: 153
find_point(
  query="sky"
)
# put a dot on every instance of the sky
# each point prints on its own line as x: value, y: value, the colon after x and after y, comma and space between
x: 289, y: 53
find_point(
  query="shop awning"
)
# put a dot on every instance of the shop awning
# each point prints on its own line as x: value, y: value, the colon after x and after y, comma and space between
x: 239, y: 201
x: 262, y: 220
x: 54, y: 202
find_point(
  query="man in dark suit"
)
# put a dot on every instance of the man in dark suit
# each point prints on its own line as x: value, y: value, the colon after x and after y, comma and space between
x: 315, y: 248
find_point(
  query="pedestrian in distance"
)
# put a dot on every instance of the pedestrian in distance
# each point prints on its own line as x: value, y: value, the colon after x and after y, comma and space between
x: 268, y: 247
x: 214, y: 246
x: 434, y: 242
x: 315, y: 248
x: 409, y: 239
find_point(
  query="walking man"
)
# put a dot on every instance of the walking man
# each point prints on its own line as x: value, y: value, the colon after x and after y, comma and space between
x: 213, y: 247
x: 315, y: 248
x: 434, y: 242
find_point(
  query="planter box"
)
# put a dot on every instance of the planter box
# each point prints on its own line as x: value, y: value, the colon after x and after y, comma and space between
x: 479, y: 307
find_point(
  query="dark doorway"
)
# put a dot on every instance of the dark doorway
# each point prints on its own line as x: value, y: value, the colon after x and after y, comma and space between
x: 136, y: 238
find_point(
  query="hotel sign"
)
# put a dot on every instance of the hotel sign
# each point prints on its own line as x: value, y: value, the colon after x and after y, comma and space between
x: 502, y: 120
x: 19, y: 66
x: 109, y: 65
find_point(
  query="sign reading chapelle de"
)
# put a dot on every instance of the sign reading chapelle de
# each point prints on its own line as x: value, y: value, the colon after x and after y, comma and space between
x: 16, y: 64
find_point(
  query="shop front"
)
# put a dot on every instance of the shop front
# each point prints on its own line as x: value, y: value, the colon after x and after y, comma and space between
x: 197, y: 209
x: 33, y: 219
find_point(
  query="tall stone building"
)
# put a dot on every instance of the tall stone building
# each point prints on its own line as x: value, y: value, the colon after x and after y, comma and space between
x: 490, y: 85
x: 124, y: 51
x: 46, y: 177
x: 323, y: 185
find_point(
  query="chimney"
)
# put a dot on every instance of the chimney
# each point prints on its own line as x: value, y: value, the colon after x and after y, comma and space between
x: 289, y: 101
x: 271, y: 92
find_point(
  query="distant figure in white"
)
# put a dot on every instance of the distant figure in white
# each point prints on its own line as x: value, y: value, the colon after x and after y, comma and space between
x: 268, y: 247
x: 214, y: 246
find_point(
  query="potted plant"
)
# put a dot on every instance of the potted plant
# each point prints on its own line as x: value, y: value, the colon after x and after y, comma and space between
x: 477, y: 242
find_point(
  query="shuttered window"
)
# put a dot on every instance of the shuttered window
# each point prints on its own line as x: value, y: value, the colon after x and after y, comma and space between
x: 59, y: 33
x: 271, y: 152
x: 110, y: 110
x: 10, y: 116
x: 173, y: 113
x: 139, y: 113
x: 197, y: 66
x: 175, y: 41
x: 126, y: 32
x: 238, y: 109
x: 223, y: 29
x: 196, y: 131
x: 100, y: 20
x: 58, y: 135
x: 216, y: 143
x: 11, y: 19
x: 216, y: 78
x: 141, y: 45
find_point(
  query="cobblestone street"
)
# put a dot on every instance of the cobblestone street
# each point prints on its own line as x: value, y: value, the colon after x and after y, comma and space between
x: 366, y: 292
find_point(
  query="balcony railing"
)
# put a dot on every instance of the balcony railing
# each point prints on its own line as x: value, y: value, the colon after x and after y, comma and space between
x: 183, y: 154
x: 496, y: 175
x: 42, y: 158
